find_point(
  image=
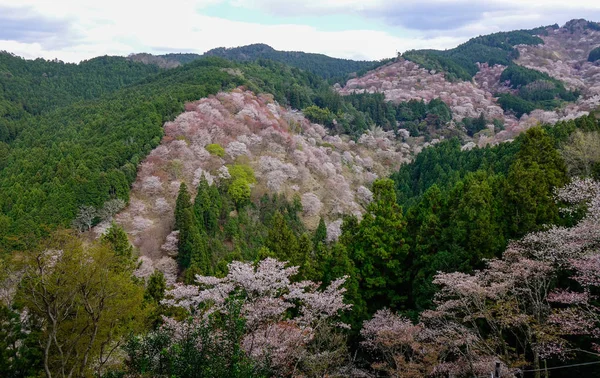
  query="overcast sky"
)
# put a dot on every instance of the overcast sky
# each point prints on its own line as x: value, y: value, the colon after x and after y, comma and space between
x: 74, y: 30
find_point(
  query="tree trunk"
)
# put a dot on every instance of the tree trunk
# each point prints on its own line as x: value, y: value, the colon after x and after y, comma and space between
x: 536, y: 364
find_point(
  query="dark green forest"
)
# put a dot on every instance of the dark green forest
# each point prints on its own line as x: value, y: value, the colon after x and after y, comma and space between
x: 331, y: 69
x: 594, y: 55
x: 536, y: 90
x: 319, y: 64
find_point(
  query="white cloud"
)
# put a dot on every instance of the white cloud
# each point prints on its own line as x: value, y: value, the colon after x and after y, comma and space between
x: 116, y: 29
x: 81, y: 29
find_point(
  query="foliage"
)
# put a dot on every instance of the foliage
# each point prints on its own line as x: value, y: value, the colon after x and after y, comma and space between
x: 37, y: 86
x: 318, y: 115
x: 217, y: 228
x: 537, y: 90
x: 536, y: 172
x: 520, y: 294
x: 532, y: 305
x: 85, y: 301
x: 319, y: 64
x: 49, y: 173
x: 379, y: 251
x: 594, y: 55
x: 191, y: 349
x: 515, y: 104
x: 20, y: 354
x: 465, y: 206
x: 474, y: 125
x: 215, y: 149
x: 116, y: 238
x: 416, y: 116
x: 581, y: 153
x: 445, y: 164
x: 156, y: 288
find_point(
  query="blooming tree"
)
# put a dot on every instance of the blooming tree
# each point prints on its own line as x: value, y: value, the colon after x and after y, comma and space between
x: 110, y: 209
x: 85, y: 218
x: 401, y: 347
x: 311, y: 204
x: 152, y: 185
x: 264, y: 296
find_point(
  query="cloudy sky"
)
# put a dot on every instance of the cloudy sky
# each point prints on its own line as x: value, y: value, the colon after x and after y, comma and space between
x: 74, y: 30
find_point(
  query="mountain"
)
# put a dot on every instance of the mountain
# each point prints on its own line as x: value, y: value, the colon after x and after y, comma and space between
x: 239, y: 216
x: 319, y: 64
x: 82, y: 153
x: 510, y: 80
x: 36, y: 86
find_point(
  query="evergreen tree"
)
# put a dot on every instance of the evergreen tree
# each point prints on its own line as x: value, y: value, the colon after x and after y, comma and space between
x: 191, y: 244
x: 378, y: 248
x: 281, y: 240
x: 473, y: 223
x: 425, y: 226
x: 155, y: 290
x: 538, y: 170
x: 306, y: 258
x: 117, y: 239
x: 202, y: 204
x: 337, y: 263
x: 320, y: 233
x: 183, y: 202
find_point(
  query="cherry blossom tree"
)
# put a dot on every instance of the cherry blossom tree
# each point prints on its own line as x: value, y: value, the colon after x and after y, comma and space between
x: 264, y: 295
x: 152, y: 185
x: 401, y: 347
x: 85, y: 218
x: 311, y: 204
x: 110, y: 209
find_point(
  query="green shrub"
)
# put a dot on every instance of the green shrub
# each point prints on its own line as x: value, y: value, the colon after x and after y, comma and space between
x: 242, y: 171
x: 215, y: 149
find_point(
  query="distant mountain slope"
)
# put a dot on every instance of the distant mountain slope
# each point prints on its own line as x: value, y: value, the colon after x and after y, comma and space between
x: 39, y: 85
x: 319, y: 64
x: 509, y: 95
x: 565, y: 56
x: 461, y: 61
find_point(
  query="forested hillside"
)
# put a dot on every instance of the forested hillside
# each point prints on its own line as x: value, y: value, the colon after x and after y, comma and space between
x: 498, y: 85
x: 38, y: 86
x: 460, y: 62
x: 319, y: 64
x: 82, y: 156
x: 332, y: 69
x: 238, y: 216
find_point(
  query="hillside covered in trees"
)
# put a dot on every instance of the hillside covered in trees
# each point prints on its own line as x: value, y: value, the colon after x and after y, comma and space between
x: 239, y: 216
x: 321, y: 65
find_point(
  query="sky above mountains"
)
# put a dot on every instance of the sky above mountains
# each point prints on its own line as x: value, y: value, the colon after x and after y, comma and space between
x: 74, y: 30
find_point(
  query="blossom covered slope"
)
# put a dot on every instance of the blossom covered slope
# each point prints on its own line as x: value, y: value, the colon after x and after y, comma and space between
x: 563, y: 56
x: 289, y: 155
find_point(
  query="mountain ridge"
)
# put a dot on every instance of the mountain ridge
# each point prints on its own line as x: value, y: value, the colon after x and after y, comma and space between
x: 320, y: 64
